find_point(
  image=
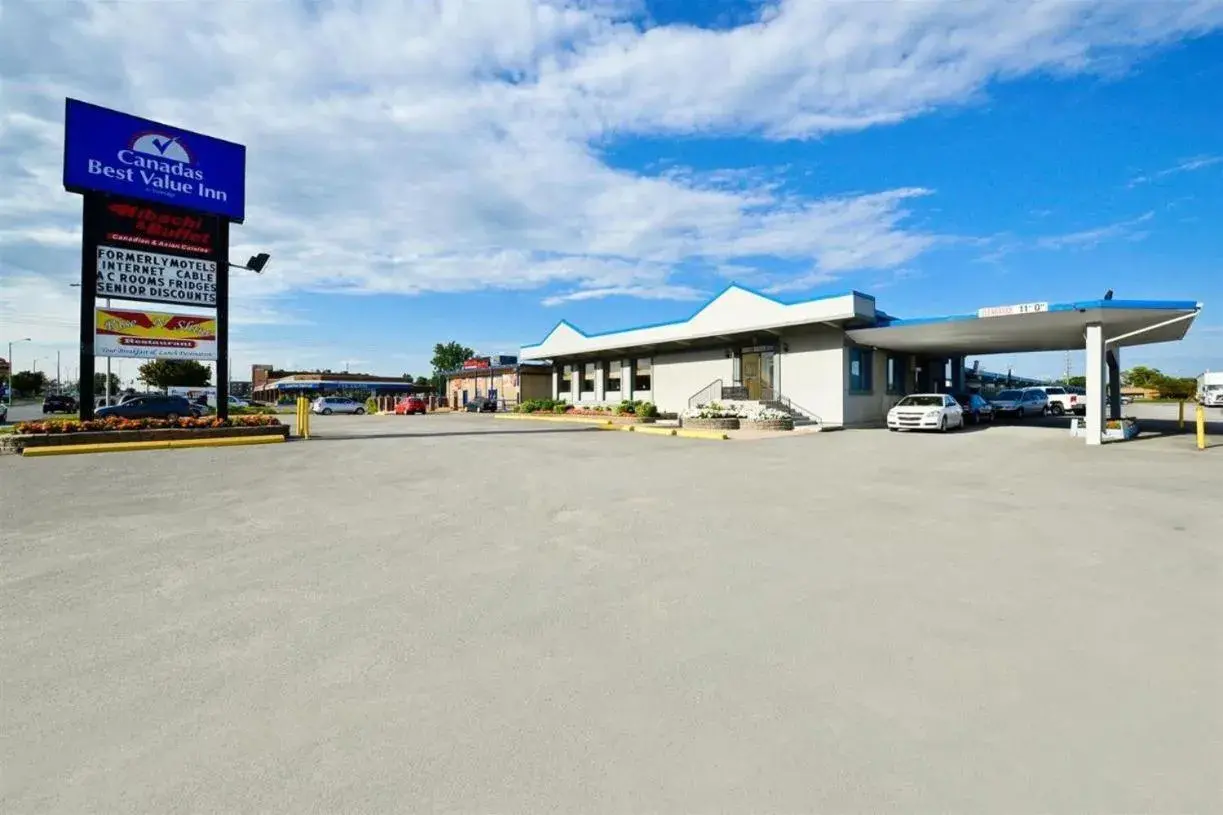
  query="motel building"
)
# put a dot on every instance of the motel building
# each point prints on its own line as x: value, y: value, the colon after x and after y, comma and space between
x: 839, y: 361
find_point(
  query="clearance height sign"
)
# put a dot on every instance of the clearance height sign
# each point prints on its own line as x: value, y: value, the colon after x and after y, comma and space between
x: 154, y: 335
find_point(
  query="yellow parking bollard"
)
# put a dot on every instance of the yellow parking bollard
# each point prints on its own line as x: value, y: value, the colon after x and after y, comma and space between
x: 1180, y: 419
x: 1201, y: 417
x: 303, y: 417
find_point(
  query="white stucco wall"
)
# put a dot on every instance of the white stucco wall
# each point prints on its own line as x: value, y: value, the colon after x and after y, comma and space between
x: 678, y: 376
x: 812, y: 371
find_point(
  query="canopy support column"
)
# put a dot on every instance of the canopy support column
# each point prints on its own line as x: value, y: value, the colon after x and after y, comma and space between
x: 957, y: 374
x: 1113, y: 357
x: 1095, y: 383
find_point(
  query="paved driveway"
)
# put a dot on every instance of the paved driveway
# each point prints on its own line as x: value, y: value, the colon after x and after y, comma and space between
x: 468, y: 615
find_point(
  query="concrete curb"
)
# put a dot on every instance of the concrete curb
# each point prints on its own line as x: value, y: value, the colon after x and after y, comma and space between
x: 528, y: 418
x: 711, y: 435
x: 678, y: 432
x: 132, y: 446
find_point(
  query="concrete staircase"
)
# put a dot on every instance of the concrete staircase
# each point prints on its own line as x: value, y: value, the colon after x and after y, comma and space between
x: 800, y: 417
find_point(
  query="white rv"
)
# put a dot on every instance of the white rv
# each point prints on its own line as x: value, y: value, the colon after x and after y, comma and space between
x: 1210, y: 389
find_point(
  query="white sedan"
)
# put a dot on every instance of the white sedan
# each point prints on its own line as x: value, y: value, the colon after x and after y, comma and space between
x: 926, y: 411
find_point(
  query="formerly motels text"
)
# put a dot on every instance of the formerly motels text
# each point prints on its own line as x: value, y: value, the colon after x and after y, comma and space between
x: 134, y: 275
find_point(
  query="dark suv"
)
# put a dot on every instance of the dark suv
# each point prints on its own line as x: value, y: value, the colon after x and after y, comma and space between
x: 150, y: 406
x: 58, y: 403
x: 482, y: 404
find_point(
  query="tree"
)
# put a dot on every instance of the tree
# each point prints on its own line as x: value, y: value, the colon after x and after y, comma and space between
x: 1077, y: 381
x: 422, y: 381
x: 29, y: 383
x: 163, y: 373
x: 1141, y: 376
x: 1177, y: 387
x: 450, y: 356
x: 99, y: 384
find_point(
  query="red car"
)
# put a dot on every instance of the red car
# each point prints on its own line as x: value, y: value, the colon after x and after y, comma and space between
x: 407, y: 405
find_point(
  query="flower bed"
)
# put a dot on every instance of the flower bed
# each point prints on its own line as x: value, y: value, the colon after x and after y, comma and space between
x: 731, y: 416
x: 104, y: 431
x: 20, y: 442
x: 627, y: 412
x: 114, y: 423
x: 611, y: 415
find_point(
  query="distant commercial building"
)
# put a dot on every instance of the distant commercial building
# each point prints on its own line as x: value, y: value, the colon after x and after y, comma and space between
x: 503, y: 378
x: 271, y: 385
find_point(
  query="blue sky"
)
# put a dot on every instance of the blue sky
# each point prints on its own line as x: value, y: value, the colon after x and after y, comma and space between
x: 477, y: 172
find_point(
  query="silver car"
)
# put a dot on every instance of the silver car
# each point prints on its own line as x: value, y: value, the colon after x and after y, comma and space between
x: 327, y: 405
x: 1021, y: 403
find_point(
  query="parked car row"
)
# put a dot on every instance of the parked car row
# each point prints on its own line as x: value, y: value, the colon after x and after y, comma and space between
x: 938, y: 411
x: 945, y: 411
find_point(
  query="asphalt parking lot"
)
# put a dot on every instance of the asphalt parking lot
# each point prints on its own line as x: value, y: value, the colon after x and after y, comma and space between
x: 462, y: 614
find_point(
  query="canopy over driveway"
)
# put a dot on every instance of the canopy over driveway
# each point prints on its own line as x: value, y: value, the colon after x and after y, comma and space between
x: 1042, y: 327
x: 1098, y: 326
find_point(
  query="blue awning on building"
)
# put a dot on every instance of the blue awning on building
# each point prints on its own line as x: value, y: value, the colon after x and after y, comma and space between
x: 335, y: 384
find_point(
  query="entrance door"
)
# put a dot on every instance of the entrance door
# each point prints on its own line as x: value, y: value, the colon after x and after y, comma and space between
x: 749, y: 367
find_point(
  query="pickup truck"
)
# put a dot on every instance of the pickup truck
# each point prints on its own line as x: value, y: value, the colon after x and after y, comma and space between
x: 1065, y: 400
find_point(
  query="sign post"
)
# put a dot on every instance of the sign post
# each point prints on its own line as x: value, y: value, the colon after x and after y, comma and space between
x: 222, y: 306
x: 89, y: 274
x: 157, y: 204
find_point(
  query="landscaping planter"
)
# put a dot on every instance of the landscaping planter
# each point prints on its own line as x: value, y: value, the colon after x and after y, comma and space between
x: 20, y: 442
x: 710, y: 424
x: 768, y: 424
x: 632, y: 419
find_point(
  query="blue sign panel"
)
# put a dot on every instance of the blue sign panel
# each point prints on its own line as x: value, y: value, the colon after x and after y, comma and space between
x: 109, y: 151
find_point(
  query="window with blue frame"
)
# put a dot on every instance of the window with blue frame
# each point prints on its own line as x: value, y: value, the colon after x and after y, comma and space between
x: 860, y: 364
x: 897, y: 370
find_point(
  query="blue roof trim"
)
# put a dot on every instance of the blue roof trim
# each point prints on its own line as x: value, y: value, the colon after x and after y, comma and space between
x: 705, y: 305
x: 1081, y: 305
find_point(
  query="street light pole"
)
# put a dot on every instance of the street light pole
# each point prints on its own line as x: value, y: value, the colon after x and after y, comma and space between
x: 107, y: 301
x: 11, y: 366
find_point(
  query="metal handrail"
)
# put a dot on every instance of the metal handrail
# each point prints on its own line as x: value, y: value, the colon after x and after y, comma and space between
x: 710, y: 393
x: 793, y: 407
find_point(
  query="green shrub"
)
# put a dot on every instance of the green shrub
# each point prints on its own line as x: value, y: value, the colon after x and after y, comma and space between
x: 561, y: 408
x: 537, y: 406
x: 647, y: 410
x: 371, y: 405
x: 253, y: 410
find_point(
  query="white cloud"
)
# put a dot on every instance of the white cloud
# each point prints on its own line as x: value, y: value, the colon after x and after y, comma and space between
x: 640, y: 292
x: 426, y: 147
x: 1187, y: 166
x: 1092, y: 237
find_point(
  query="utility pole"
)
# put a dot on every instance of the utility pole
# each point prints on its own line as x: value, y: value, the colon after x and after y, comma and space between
x: 1067, y: 367
x: 59, y: 383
